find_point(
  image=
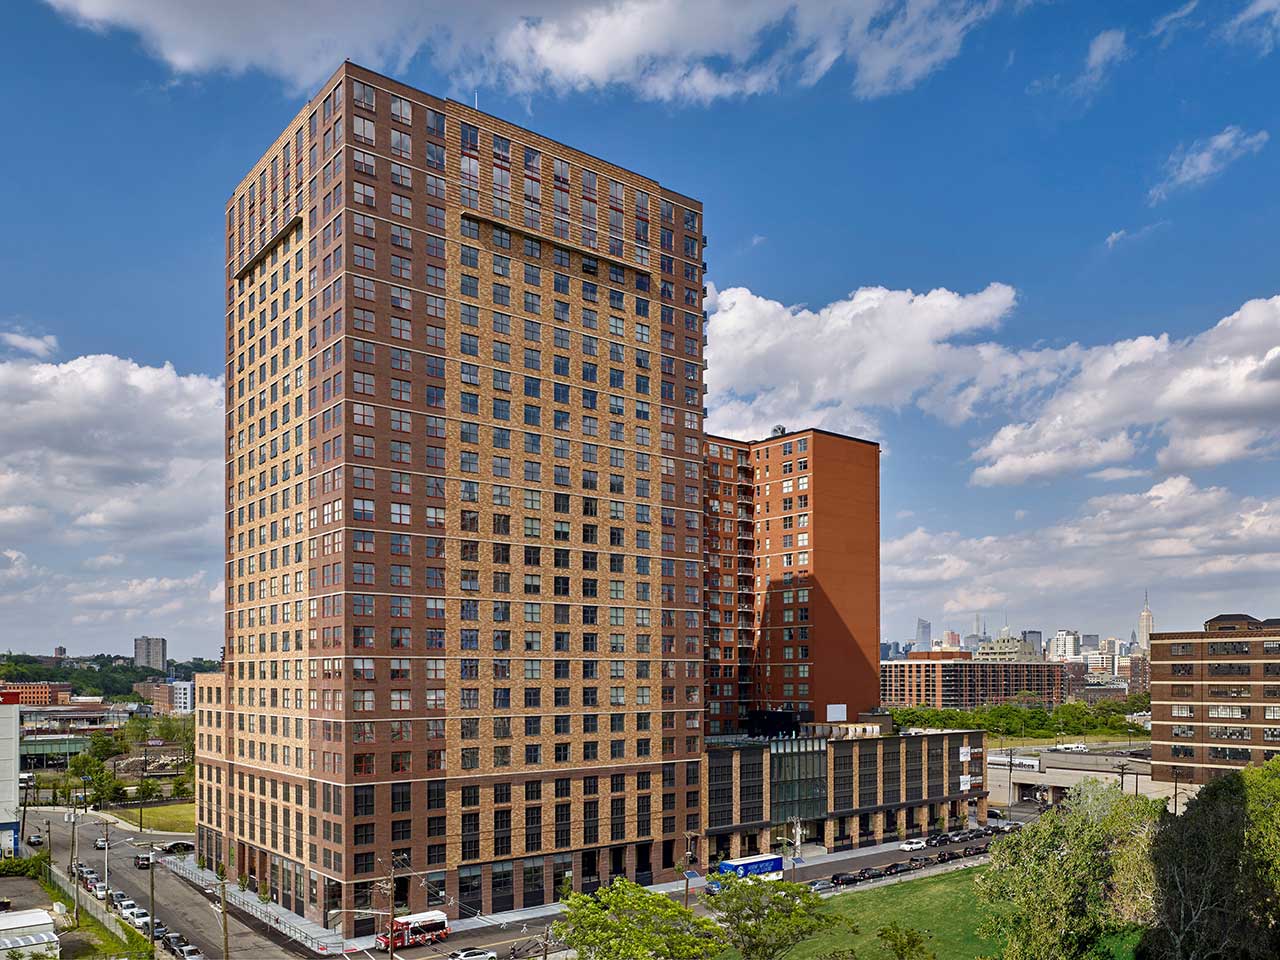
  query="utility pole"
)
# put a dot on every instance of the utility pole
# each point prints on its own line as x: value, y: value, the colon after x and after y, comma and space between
x: 106, y: 854
x: 48, y: 842
x: 151, y: 883
x: 1175, y: 791
x: 1010, y: 801
x: 546, y: 932
x: 795, y: 846
x: 226, y: 948
x: 141, y: 776
x: 71, y: 873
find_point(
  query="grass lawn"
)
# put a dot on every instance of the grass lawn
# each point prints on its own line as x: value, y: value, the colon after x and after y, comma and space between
x: 171, y: 818
x: 995, y: 744
x: 945, y: 906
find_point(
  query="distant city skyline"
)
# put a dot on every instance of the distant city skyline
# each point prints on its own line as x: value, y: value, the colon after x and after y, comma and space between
x: 965, y: 625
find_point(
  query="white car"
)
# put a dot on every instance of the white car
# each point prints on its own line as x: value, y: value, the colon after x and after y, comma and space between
x: 909, y: 846
x: 140, y: 918
x: 100, y: 891
x: 473, y: 953
x: 100, y: 843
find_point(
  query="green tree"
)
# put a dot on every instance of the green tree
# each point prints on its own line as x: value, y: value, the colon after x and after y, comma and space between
x: 1218, y: 881
x: 905, y: 943
x: 137, y: 729
x: 765, y: 919
x: 624, y: 921
x: 148, y: 789
x: 103, y: 746
x: 1061, y: 884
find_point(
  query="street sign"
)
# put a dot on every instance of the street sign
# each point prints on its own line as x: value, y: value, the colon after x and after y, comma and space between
x: 797, y: 860
x: 691, y: 874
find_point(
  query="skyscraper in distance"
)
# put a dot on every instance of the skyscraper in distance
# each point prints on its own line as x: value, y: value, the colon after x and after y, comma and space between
x: 463, y: 635
x: 151, y: 652
x: 1146, y: 625
x: 924, y: 633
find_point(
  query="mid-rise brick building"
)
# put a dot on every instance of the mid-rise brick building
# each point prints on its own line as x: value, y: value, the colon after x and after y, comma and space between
x: 949, y: 679
x: 1215, y: 698
x: 38, y: 693
x: 463, y: 639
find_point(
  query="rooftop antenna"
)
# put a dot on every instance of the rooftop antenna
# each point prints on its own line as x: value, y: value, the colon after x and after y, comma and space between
x: 477, y: 96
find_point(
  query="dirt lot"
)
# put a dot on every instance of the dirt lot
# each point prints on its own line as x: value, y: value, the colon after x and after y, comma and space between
x: 25, y: 894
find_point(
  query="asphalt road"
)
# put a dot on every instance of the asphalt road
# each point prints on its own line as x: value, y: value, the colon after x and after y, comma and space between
x: 178, y: 905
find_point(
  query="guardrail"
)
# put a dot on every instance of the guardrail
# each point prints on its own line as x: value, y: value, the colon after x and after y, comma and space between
x: 185, y: 867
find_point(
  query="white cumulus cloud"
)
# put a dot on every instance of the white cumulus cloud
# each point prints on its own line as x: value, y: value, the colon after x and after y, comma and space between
x: 669, y: 50
x: 41, y: 347
x: 107, y: 465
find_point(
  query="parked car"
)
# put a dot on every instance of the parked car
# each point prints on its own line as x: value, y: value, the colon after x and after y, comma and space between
x: 35, y: 840
x: 161, y: 930
x: 190, y: 952
x: 844, y: 879
x: 1011, y: 827
x: 991, y: 812
x: 100, y: 843
x: 821, y: 886
x: 473, y: 953
x: 116, y: 898
x: 946, y: 856
x: 870, y: 873
x: 173, y: 942
x: 976, y: 850
x: 917, y: 863
x: 936, y: 840
x: 908, y: 846
x: 100, y: 891
x: 893, y: 869
x: 127, y: 909
x: 140, y: 918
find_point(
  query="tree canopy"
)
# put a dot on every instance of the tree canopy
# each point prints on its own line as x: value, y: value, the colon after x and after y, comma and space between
x: 1027, y: 718
x: 1076, y: 874
x: 764, y: 919
x: 624, y: 921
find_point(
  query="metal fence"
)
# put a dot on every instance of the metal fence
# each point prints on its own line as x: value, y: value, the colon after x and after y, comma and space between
x: 275, y: 917
x: 90, y: 904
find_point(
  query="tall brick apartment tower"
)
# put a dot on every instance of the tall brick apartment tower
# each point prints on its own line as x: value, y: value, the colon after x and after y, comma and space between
x: 792, y: 533
x: 464, y: 630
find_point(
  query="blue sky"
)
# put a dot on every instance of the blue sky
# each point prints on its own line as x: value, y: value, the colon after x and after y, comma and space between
x: 1070, y: 180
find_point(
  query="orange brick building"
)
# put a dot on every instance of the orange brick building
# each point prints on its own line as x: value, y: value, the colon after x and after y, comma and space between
x: 39, y: 693
x: 953, y: 680
x: 792, y: 560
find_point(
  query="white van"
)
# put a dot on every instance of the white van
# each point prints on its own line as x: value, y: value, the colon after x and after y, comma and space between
x: 1075, y: 748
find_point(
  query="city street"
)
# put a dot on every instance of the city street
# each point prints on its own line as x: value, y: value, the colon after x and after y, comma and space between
x: 178, y: 904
